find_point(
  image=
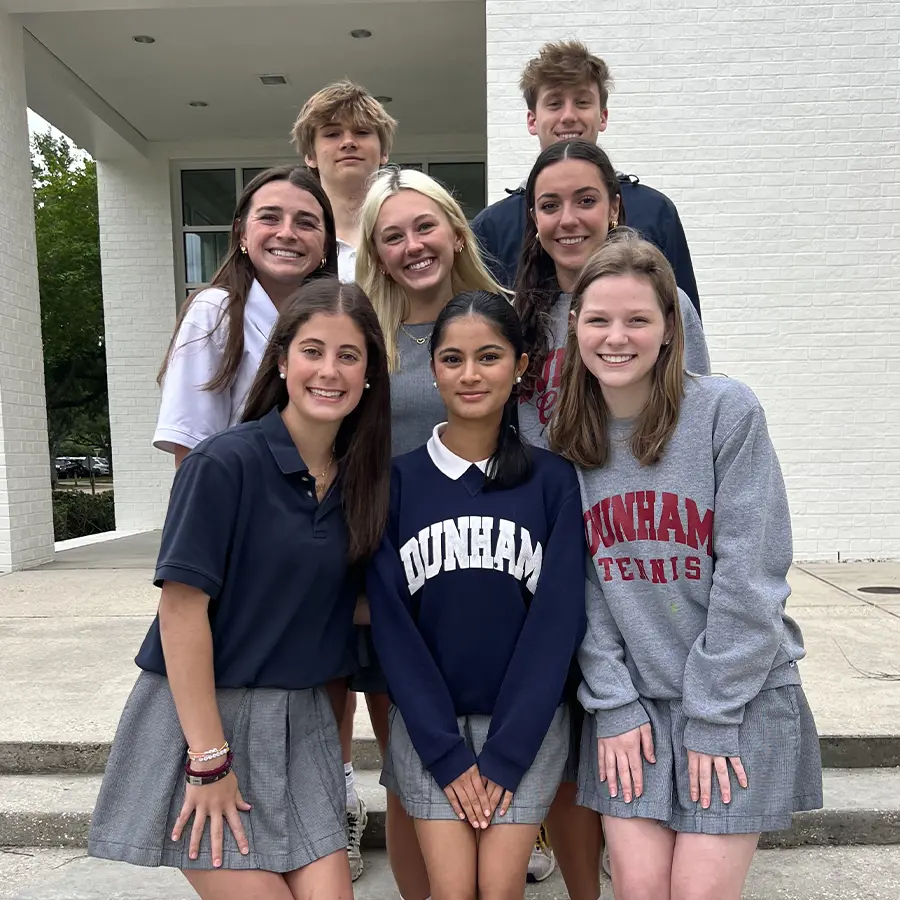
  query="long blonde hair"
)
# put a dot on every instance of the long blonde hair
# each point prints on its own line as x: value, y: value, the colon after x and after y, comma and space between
x: 389, y: 299
x: 580, y: 427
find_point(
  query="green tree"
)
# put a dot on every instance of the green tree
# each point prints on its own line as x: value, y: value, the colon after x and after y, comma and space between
x: 68, y: 251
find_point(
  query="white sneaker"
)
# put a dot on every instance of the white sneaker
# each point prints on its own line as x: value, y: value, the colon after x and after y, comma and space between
x: 542, y: 862
x: 356, y: 825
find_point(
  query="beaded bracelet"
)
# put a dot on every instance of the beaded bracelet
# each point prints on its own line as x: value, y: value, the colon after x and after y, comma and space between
x: 210, y: 776
x: 207, y: 755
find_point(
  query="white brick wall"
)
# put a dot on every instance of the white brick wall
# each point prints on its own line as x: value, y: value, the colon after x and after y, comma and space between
x: 26, y: 518
x: 775, y: 127
x: 139, y: 310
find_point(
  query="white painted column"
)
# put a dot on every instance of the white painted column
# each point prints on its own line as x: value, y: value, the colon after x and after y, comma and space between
x: 139, y: 308
x: 26, y: 516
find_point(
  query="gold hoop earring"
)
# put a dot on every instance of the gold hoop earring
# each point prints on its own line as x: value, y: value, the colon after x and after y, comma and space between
x: 613, y: 224
x: 322, y: 264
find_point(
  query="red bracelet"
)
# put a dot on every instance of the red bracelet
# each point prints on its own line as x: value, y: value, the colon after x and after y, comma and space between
x: 224, y: 769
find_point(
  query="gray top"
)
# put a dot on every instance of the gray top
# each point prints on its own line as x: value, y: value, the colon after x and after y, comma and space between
x: 535, y: 410
x: 687, y: 577
x: 416, y: 405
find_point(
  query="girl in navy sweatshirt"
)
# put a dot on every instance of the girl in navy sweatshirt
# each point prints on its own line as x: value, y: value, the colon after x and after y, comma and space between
x: 697, y: 721
x: 477, y: 605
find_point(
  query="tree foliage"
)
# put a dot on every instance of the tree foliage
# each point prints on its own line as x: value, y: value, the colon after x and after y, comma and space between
x: 68, y: 251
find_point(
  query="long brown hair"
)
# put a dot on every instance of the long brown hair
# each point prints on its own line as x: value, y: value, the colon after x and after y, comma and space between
x: 236, y: 273
x: 363, y: 445
x: 580, y: 428
x: 537, y: 287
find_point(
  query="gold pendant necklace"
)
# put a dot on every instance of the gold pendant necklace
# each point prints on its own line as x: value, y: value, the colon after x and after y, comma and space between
x: 321, y: 482
x: 412, y: 337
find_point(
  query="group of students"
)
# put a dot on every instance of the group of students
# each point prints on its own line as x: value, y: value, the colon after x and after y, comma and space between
x: 482, y: 475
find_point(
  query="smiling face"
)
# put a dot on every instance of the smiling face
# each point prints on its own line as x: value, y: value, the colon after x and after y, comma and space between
x: 325, y: 369
x: 620, y: 330
x: 284, y: 235
x: 346, y: 154
x: 572, y: 213
x: 417, y: 245
x: 567, y: 113
x: 475, y: 368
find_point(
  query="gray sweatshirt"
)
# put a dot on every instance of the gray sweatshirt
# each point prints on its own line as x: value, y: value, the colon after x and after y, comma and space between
x: 536, y: 409
x: 416, y: 405
x: 688, y: 572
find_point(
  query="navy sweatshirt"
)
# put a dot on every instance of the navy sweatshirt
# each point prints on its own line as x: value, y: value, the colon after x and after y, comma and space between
x: 501, y: 226
x: 477, y: 604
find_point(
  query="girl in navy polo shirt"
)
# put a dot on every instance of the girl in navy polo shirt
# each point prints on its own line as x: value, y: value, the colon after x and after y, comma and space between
x: 283, y: 235
x: 227, y: 756
x: 477, y: 605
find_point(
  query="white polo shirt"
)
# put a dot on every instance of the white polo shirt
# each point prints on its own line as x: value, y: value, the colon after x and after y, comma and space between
x: 188, y: 413
x: 346, y: 261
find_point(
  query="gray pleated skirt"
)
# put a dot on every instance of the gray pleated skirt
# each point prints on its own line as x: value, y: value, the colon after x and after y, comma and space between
x: 779, y: 749
x: 287, y: 759
x: 404, y: 775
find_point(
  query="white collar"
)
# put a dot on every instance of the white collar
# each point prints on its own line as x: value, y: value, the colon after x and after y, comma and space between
x: 260, y: 310
x: 447, y: 461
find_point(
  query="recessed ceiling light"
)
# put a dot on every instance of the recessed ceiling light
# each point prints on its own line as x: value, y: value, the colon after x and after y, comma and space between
x: 144, y: 39
x: 198, y: 104
x: 383, y: 98
x: 273, y: 79
x: 360, y: 33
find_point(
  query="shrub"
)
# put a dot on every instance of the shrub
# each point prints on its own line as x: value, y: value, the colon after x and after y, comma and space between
x: 76, y: 514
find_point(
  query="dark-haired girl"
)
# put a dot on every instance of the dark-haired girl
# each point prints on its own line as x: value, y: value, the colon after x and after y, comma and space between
x: 226, y: 762
x: 283, y: 234
x: 477, y: 600
x: 698, y: 736
x: 574, y: 203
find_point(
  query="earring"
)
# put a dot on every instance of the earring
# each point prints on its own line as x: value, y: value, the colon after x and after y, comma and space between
x: 461, y: 248
x: 434, y: 383
x: 665, y: 343
x: 519, y: 379
x: 282, y: 375
x: 613, y: 224
x: 322, y: 264
x: 243, y: 250
x: 368, y: 385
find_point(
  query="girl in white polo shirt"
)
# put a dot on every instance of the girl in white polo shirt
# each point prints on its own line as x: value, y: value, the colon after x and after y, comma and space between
x: 283, y: 234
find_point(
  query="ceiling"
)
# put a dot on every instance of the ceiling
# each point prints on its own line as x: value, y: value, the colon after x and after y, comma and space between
x: 428, y: 55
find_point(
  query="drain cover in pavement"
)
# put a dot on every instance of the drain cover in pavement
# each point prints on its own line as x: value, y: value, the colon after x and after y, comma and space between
x: 886, y: 589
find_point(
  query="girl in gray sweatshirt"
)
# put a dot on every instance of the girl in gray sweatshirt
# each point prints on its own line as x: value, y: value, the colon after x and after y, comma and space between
x: 696, y: 718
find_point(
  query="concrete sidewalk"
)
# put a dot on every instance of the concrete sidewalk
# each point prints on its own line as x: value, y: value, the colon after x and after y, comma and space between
x: 70, y: 630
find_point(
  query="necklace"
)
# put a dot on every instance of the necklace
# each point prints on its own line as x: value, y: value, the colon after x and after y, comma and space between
x: 412, y: 337
x: 321, y: 481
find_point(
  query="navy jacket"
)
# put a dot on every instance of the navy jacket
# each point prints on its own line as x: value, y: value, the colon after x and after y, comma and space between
x: 477, y: 603
x: 500, y: 228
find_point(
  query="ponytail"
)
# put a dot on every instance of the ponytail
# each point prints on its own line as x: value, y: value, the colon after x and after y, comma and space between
x: 510, y: 464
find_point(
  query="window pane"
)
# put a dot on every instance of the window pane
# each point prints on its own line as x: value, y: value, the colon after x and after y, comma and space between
x: 250, y: 174
x: 465, y: 180
x: 416, y: 166
x: 202, y: 254
x: 208, y: 197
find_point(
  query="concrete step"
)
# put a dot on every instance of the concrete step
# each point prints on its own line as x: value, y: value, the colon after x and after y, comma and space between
x: 814, y: 873
x: 862, y: 806
x: 89, y: 758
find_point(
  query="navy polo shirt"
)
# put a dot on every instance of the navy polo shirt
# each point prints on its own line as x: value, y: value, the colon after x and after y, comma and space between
x: 244, y: 527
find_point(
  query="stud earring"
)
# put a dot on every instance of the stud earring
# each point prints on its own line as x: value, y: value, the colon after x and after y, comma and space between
x: 434, y: 383
x: 518, y: 379
x: 243, y: 250
x: 613, y: 224
x: 665, y: 343
x: 282, y: 375
x: 368, y: 385
x: 461, y: 248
